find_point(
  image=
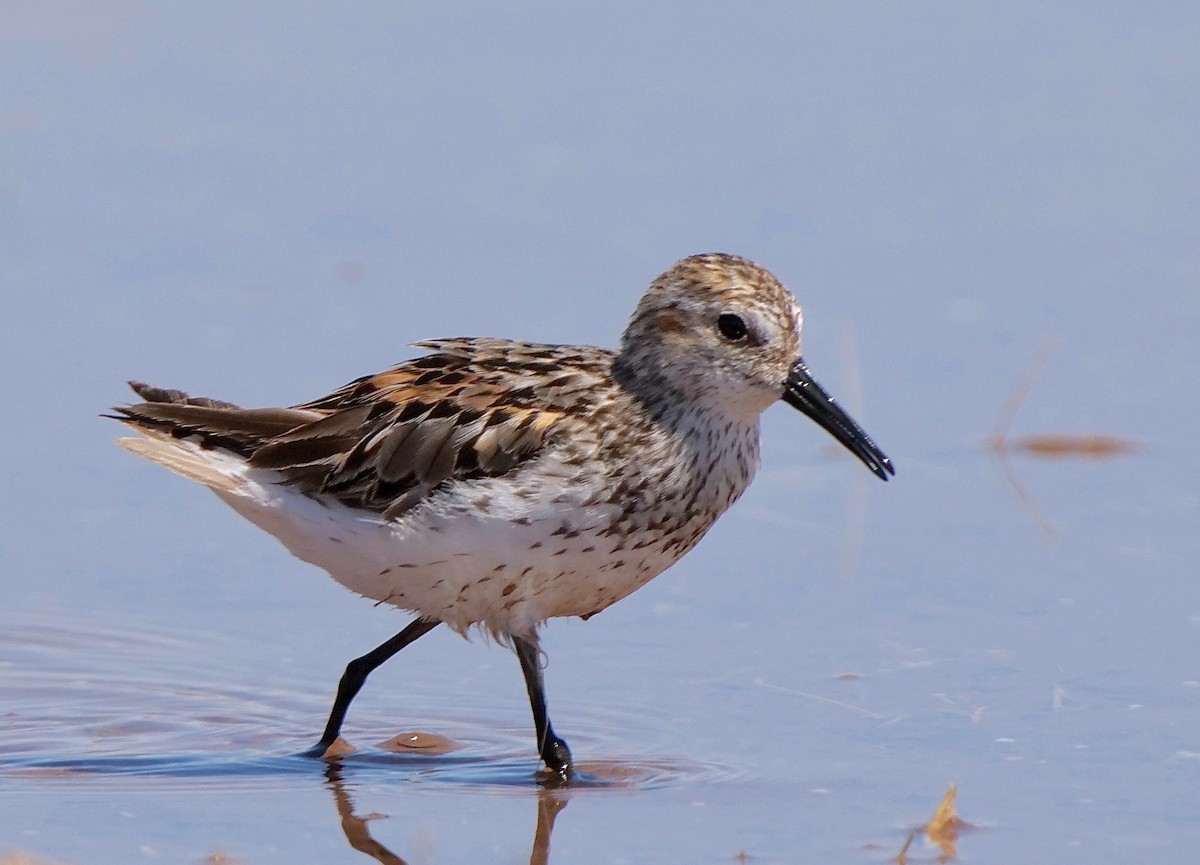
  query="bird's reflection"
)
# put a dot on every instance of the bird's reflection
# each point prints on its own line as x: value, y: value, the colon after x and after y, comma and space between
x: 551, y: 799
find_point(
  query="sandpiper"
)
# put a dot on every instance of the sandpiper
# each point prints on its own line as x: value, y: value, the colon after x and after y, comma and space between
x: 498, y: 484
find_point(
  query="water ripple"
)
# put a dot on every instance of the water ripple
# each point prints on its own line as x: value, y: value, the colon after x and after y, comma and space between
x: 86, y: 703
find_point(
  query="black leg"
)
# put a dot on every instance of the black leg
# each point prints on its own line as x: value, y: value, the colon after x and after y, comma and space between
x: 554, y: 750
x: 357, y: 672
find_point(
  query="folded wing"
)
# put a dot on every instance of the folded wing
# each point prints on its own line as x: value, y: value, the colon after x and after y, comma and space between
x: 473, y: 408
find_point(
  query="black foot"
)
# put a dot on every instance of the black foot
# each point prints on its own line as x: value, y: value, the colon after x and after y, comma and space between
x: 557, y: 757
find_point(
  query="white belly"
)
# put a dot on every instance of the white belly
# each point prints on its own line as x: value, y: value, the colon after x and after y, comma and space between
x: 464, y: 567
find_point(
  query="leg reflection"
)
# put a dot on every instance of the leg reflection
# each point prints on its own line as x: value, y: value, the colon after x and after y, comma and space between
x: 551, y: 800
x: 355, y: 828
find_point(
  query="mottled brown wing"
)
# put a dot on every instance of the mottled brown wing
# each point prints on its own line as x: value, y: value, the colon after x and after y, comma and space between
x: 473, y: 408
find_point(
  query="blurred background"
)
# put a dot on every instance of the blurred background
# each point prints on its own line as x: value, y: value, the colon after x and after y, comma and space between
x: 262, y: 203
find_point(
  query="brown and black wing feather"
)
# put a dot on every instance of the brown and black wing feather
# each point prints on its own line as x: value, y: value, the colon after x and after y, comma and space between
x: 473, y: 408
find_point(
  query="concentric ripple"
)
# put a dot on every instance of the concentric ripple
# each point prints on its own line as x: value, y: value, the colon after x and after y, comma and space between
x: 84, y: 703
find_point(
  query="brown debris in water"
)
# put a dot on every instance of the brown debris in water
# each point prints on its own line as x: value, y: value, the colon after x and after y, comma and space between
x: 942, y: 830
x: 19, y: 857
x: 420, y: 743
x: 339, y: 748
x: 1067, y: 446
x: 51, y: 771
x: 1054, y: 446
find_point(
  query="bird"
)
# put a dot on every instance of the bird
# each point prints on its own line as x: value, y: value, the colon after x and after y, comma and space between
x: 490, y: 484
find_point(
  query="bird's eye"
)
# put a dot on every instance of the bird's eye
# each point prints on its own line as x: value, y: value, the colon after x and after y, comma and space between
x: 731, y: 326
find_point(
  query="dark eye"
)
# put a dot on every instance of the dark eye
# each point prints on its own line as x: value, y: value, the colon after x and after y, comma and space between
x: 731, y: 326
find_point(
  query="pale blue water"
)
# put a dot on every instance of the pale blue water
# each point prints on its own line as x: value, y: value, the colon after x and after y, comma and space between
x: 261, y: 206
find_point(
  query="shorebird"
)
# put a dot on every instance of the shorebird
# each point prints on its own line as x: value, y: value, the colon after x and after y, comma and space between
x: 498, y: 484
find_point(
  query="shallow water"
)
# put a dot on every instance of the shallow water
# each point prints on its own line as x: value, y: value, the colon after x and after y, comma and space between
x: 1056, y: 687
x: 261, y: 209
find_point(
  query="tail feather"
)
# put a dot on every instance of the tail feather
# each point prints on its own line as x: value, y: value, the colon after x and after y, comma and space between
x: 213, y: 423
x: 184, y: 458
x: 150, y: 393
x: 205, y: 440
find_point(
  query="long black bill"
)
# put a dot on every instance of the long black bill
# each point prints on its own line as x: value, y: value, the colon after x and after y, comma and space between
x: 805, y: 394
